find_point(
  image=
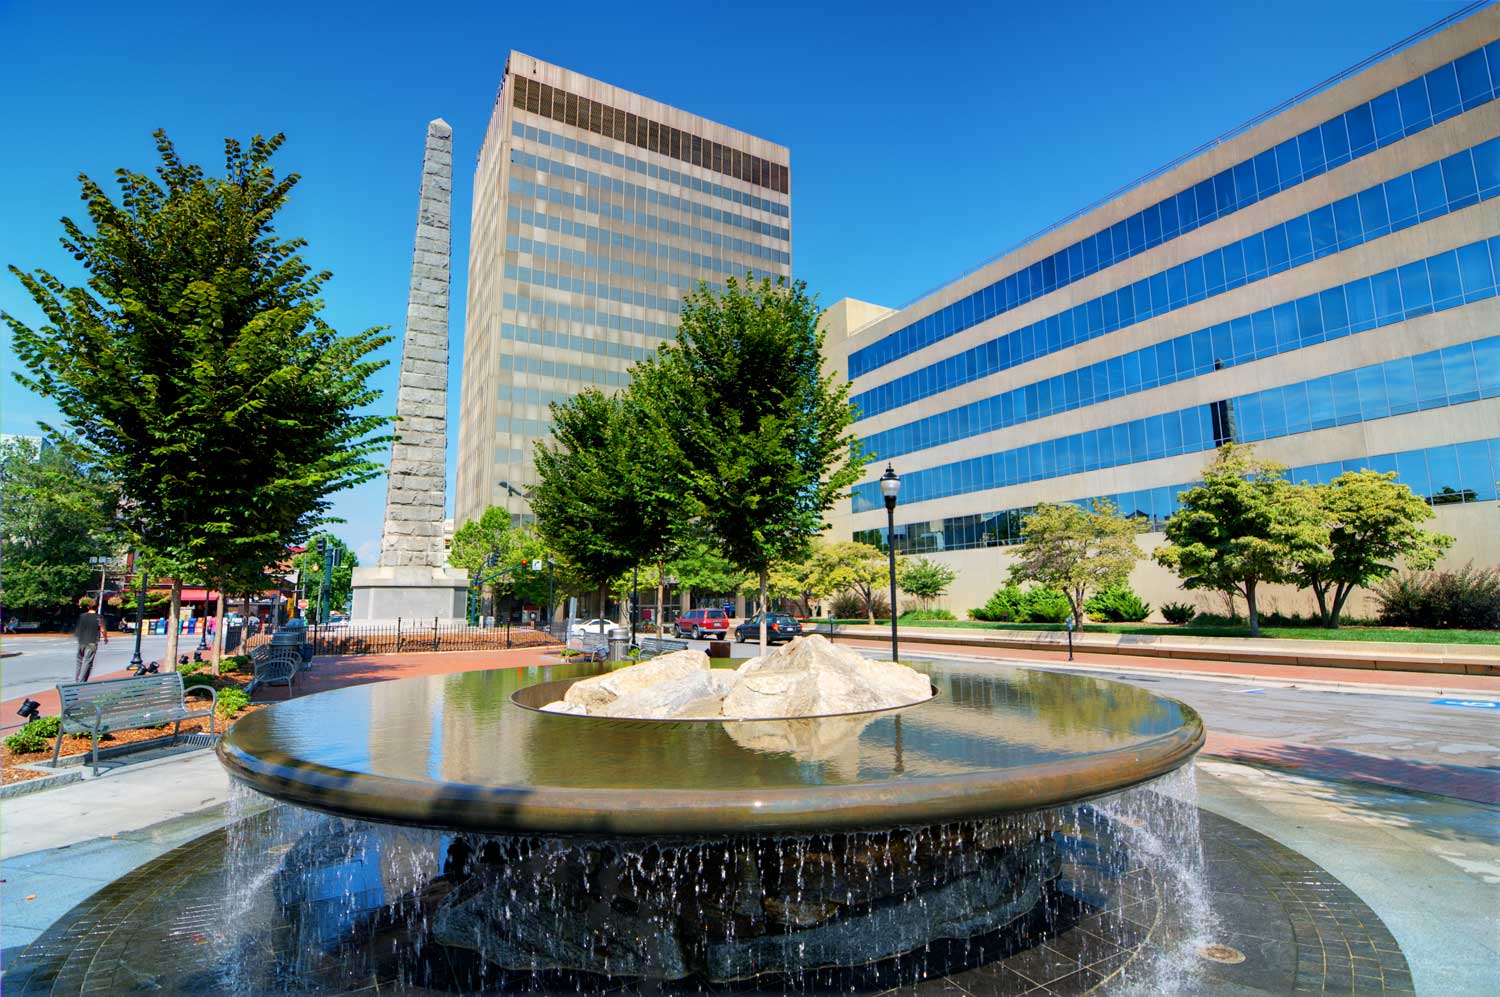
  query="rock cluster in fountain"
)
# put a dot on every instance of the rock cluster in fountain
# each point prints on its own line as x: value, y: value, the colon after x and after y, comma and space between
x: 811, y: 676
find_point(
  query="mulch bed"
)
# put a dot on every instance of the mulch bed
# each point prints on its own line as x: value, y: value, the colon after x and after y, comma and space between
x: 11, y: 762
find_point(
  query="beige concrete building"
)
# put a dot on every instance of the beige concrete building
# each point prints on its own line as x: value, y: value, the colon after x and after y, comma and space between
x: 595, y: 211
x: 1321, y: 283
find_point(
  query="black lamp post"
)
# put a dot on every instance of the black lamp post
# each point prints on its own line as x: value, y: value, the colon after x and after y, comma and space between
x: 890, y: 488
x: 140, y: 612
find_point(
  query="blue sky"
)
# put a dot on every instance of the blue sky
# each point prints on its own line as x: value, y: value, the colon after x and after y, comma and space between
x: 924, y: 139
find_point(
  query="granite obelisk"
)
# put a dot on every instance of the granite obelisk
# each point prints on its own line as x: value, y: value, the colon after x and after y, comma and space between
x: 412, y: 580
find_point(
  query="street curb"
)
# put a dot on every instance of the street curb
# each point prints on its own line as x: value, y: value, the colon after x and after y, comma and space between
x: 1372, y: 688
x: 48, y: 781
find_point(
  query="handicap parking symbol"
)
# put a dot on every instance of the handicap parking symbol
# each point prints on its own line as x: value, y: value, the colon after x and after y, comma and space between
x: 1473, y: 704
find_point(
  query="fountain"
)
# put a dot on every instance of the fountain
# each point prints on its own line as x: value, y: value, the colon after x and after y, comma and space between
x: 448, y: 833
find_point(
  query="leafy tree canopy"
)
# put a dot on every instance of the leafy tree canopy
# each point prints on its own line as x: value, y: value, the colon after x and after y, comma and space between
x: 310, y: 564
x: 851, y: 566
x: 1246, y: 525
x: 925, y: 578
x: 1077, y: 550
x: 196, y: 364
x: 56, y: 512
x: 1371, y: 522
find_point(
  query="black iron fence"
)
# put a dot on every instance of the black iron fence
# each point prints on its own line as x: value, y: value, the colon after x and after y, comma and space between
x: 405, y: 636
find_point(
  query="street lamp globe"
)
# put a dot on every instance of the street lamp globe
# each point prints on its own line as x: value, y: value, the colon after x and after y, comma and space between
x: 890, y: 486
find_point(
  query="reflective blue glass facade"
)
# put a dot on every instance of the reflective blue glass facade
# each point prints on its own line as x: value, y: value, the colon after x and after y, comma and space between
x: 1416, y: 105
x: 1324, y: 284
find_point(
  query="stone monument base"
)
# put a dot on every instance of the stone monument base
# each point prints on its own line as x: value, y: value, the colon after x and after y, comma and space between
x: 411, y: 593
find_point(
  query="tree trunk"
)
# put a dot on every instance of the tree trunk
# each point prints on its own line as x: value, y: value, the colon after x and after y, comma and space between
x: 870, y: 605
x: 661, y: 586
x: 174, y: 606
x: 1320, y: 592
x: 1250, y: 609
x: 1341, y: 595
x: 764, y: 574
x: 218, y: 648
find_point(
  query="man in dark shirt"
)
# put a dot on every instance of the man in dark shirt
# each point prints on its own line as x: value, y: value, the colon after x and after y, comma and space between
x: 89, y: 631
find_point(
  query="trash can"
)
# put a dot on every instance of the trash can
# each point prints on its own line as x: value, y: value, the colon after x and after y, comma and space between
x: 619, y: 643
x: 293, y: 634
x: 720, y: 649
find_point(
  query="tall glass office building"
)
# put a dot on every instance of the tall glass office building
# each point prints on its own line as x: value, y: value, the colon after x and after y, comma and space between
x: 595, y: 210
x: 1321, y: 283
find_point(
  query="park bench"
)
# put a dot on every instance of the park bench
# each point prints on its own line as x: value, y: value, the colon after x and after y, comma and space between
x: 652, y: 646
x: 99, y: 708
x: 594, y: 646
x: 274, y: 664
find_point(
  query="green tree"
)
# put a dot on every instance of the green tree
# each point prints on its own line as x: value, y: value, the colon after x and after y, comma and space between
x: 1076, y: 550
x: 310, y: 564
x: 760, y: 433
x: 196, y: 364
x: 926, y: 579
x: 1371, y: 522
x: 607, y: 498
x: 56, y: 512
x: 851, y: 566
x: 1245, y: 526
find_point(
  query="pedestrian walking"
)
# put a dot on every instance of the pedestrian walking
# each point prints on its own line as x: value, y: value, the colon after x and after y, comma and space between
x: 89, y: 631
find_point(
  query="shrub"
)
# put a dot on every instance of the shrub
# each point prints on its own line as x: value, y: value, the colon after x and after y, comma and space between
x: 191, y: 668
x: 193, y: 679
x: 1119, y: 604
x: 1042, y: 605
x: 1178, y: 612
x: 849, y: 606
x: 927, y: 614
x: 1468, y: 598
x: 231, y: 701
x: 45, y: 726
x: 1004, y: 606
x: 235, y: 663
x: 26, y: 741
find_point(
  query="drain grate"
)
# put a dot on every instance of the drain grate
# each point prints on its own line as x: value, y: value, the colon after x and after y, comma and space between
x: 1221, y: 954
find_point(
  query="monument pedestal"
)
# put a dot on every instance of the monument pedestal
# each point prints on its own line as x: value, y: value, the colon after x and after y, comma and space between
x: 411, y: 593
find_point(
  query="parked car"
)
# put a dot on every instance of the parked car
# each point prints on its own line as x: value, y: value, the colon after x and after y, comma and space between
x: 780, y: 628
x: 700, y: 623
x: 592, y: 628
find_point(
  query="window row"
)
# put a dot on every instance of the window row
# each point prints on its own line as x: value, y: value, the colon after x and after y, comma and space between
x: 617, y: 266
x: 614, y: 237
x: 652, y: 250
x: 1448, y: 90
x: 591, y: 288
x: 524, y: 305
x: 1446, y: 280
x: 564, y: 371
x: 622, y: 126
x: 520, y: 395
x: 579, y: 344
x: 522, y: 427
x: 1443, y: 475
x: 1430, y: 380
x: 671, y: 202
x: 543, y: 137
x: 625, y: 216
x: 1436, y: 189
x: 510, y: 456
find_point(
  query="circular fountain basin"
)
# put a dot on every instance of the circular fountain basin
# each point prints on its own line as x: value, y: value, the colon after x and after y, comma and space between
x: 461, y: 752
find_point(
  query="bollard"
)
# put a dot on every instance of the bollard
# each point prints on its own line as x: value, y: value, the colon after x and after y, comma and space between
x: 619, y: 643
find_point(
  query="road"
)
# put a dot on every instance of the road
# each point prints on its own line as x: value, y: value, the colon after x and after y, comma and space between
x: 47, y: 660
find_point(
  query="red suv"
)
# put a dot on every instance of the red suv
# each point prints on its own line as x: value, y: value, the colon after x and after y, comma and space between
x: 701, y: 623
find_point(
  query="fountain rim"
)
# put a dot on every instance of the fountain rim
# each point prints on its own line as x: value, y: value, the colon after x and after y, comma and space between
x: 721, y: 812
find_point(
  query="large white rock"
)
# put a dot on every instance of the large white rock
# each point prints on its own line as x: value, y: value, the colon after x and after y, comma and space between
x: 599, y: 691
x: 696, y: 694
x: 812, y: 676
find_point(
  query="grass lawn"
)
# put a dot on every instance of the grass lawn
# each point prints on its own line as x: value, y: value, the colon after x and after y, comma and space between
x: 1395, y: 634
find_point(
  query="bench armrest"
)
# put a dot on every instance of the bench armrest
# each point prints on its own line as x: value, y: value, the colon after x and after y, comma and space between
x: 71, y: 713
x: 214, y: 705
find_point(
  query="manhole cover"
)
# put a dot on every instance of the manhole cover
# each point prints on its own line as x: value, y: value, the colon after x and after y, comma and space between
x: 1221, y: 953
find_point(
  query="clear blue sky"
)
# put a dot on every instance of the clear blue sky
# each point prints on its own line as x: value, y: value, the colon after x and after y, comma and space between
x: 924, y: 138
